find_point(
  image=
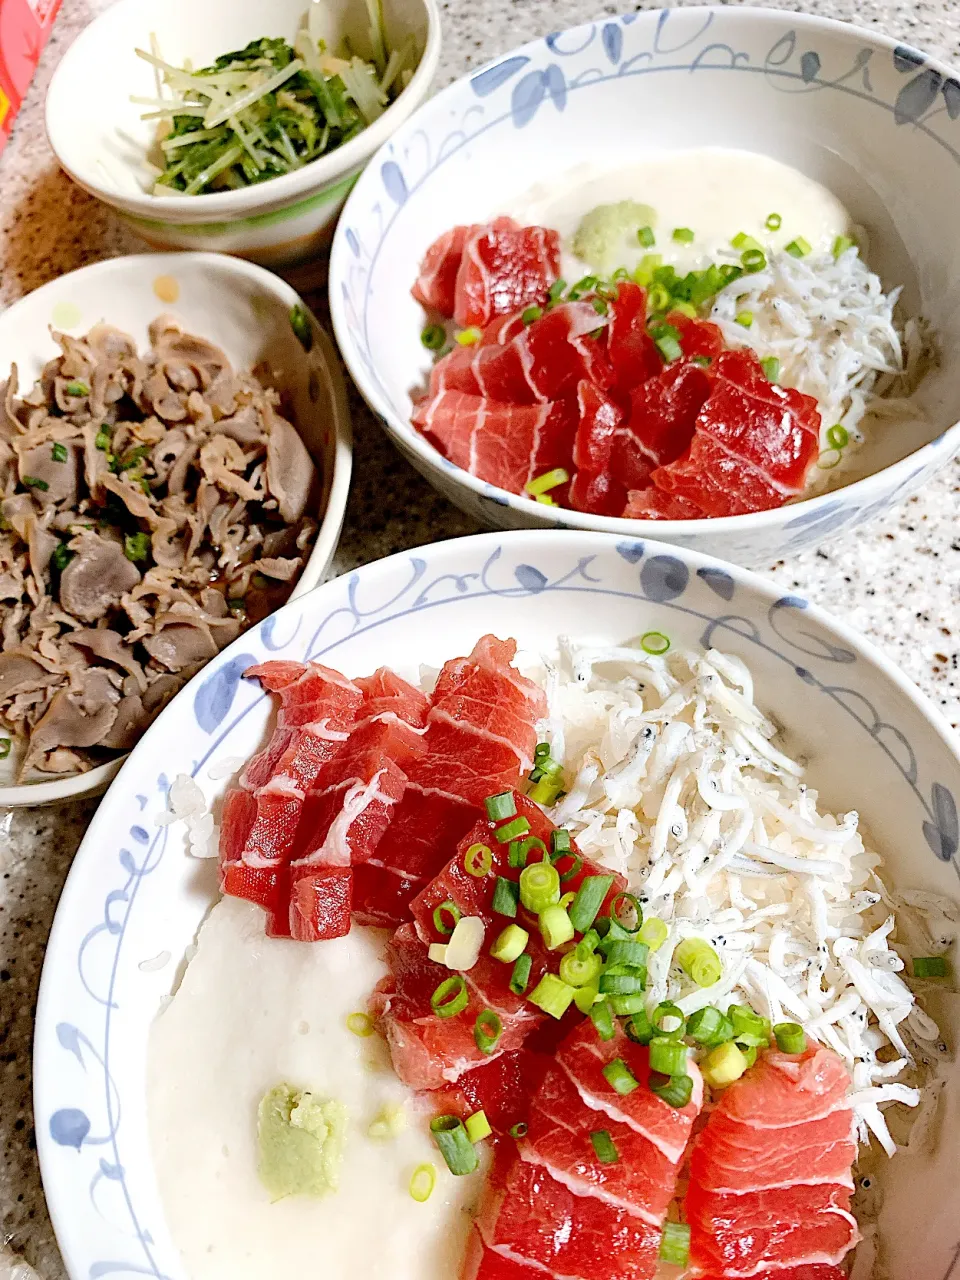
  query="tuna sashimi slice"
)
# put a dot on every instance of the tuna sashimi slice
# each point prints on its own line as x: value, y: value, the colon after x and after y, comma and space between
x: 599, y: 429
x: 386, y: 693
x: 501, y: 1089
x: 454, y: 371
x: 436, y: 285
x: 699, y: 339
x: 739, y: 1157
x: 504, y: 267
x: 529, y: 1217
x: 319, y: 900
x: 788, y: 1089
x: 804, y: 1271
x: 663, y: 414
x: 642, y: 1181
x: 583, y: 1055
x: 655, y: 504
x: 630, y: 349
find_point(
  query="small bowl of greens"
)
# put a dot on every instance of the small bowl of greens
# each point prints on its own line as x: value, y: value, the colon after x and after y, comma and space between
x: 244, y: 131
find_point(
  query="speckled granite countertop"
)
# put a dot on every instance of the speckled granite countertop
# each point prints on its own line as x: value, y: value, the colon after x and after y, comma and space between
x: 899, y: 581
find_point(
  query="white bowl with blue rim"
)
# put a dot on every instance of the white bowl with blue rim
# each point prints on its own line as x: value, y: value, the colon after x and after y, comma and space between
x: 249, y: 312
x: 876, y: 122
x: 134, y: 898
x: 100, y: 140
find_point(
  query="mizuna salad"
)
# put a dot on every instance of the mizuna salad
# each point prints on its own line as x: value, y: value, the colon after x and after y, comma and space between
x: 641, y: 995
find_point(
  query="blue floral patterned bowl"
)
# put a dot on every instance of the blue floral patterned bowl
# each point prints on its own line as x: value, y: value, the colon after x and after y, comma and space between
x: 876, y: 122
x: 134, y: 899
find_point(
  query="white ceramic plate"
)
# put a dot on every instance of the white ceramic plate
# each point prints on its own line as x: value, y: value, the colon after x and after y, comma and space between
x: 133, y: 894
x: 243, y: 309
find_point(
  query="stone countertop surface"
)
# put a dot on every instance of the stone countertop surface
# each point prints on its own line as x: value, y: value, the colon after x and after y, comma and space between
x: 898, y: 581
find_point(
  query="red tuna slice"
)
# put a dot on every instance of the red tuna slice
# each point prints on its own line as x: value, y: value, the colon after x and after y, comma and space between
x: 504, y: 267
x: 454, y: 371
x: 642, y: 1181
x: 583, y: 1055
x: 788, y: 1089
x: 491, y: 658
x: 739, y: 1234
x: 599, y: 429
x: 429, y: 1051
x: 805, y: 1271
x: 501, y: 1089
x: 529, y: 1217
x: 319, y: 902
x: 385, y: 693
x: 699, y: 339
x: 738, y: 1157
x: 436, y: 285
x: 631, y: 351
x: 654, y: 504
x: 547, y: 359
x: 663, y: 414
x: 505, y: 444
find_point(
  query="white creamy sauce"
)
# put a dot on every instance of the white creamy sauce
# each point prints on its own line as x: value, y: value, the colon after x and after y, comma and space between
x: 715, y: 192
x: 254, y: 1011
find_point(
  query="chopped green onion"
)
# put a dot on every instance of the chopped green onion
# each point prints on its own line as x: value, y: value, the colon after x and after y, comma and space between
x: 531, y: 314
x: 623, y: 984
x: 750, y: 1054
x: 625, y: 1006
x: 520, y: 849
x: 838, y: 437
x: 578, y: 971
x: 555, y: 926
x: 487, y: 1030
x: 634, y: 912
x: 512, y: 830
x: 699, y: 961
x: 646, y: 237
x: 841, y: 245
x: 798, y: 248
x: 589, y: 900
x: 6, y: 747
x: 829, y: 459
x: 450, y: 998
x: 654, y: 642
x: 557, y: 290
x: 61, y: 557
x: 549, y: 480
x: 478, y: 861
x: 790, y: 1037
x: 590, y: 940
x: 709, y: 1026
x: 552, y: 995
x: 667, y: 1056
x: 360, y: 1024
x: 422, y: 1181
x: 675, y: 1241
x: 500, y: 806
x: 510, y: 944
x: 547, y: 791
x: 600, y: 306
x: 653, y: 932
x: 683, y: 235
x: 625, y: 953
x: 773, y: 222
x: 930, y: 967
x: 742, y: 241
x: 609, y: 292
x: 658, y: 299
x: 675, y: 1091
x: 668, y: 1011
x: 77, y: 389
x: 583, y: 286
x: 136, y: 546
x: 648, y: 264
x: 771, y: 367
x: 730, y: 272
x: 574, y: 869
x: 686, y: 309
x: 102, y: 440
x: 639, y: 1028
x: 602, y: 1019
x: 723, y: 1065
x: 478, y: 1126
x: 433, y: 337
x: 446, y: 910
x: 753, y: 260
x: 585, y: 997
x: 620, y: 1078
x: 518, y: 1130
x: 456, y: 1148
x: 33, y: 483
x: 469, y: 337
x: 610, y: 931
x: 59, y: 452
x: 561, y: 842
x: 604, y: 1146
x: 745, y: 319
x: 667, y: 341
x: 539, y: 886
x: 748, y: 1027
x: 506, y: 897
x: 520, y: 978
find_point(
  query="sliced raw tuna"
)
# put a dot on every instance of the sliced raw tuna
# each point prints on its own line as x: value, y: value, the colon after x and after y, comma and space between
x: 385, y: 693
x: 654, y: 504
x: 699, y: 339
x: 806, y: 1271
x: 753, y: 444
x: 505, y: 444
x: 770, y: 1176
x: 436, y: 286
x: 632, y: 352
x: 454, y: 371
x: 599, y: 431
x: 504, y: 267
x: 501, y: 1089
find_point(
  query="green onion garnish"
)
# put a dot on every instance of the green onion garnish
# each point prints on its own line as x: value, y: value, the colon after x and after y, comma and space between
x: 658, y: 299
x: 547, y: 791
x: 433, y: 337
x: 683, y: 235
x: 500, y: 806
x: 773, y: 222
x: 33, y: 483
x: 586, y: 997
x: 6, y: 746
x: 561, y: 842
x: 518, y: 1130
x: 742, y: 241
x: 603, y: 1145
x: 753, y: 260
x: 512, y: 830
x: 620, y: 1078
x: 626, y: 1006
x: 531, y: 314
x: 685, y: 308
x: 136, y: 546
x: 59, y: 452
x: 709, y: 1026
x: 667, y: 340
x: 580, y: 971
x: 838, y: 437
x: 478, y: 861
x: 102, y: 440
x: 675, y: 1241
x: 654, y: 642
x: 422, y: 1181
x: 61, y: 557
x: 748, y: 1027
x: 668, y: 1012
x: 648, y: 264
x: 623, y: 984
x: 446, y: 912
x: 520, y: 978
x: 469, y: 337
x: 456, y: 1148
x: 506, y: 897
x: 539, y: 886
x: 723, y: 1065
x: 589, y: 900
x: 930, y: 967
x: 631, y: 953
x: 557, y: 290
x: 487, y: 1030
x: 574, y: 868
x: 699, y: 961
x: 667, y: 1056
x: 360, y: 1024
x: 450, y: 998
x: 555, y: 926
x: 798, y: 248
x: 510, y: 944
x: 771, y: 367
x: 583, y: 286
x: 520, y: 850
x: 639, y: 1028
x: 602, y: 1019
x: 646, y: 237
x: 841, y: 245
x: 627, y: 912
x: 675, y: 1091
x: 478, y: 1126
x: 744, y: 318
x: 600, y: 305
x: 552, y: 995
x: 653, y: 932
x: 790, y: 1037
x: 549, y: 480
x: 77, y: 389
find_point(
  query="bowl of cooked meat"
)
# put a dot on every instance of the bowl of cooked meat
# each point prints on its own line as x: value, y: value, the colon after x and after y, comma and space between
x: 175, y: 454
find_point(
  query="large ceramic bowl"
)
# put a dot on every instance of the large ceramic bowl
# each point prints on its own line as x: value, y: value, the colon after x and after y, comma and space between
x: 246, y: 311
x: 875, y: 122
x: 134, y: 899
x: 101, y: 142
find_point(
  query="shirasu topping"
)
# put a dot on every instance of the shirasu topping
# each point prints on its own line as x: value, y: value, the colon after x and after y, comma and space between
x: 674, y: 779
